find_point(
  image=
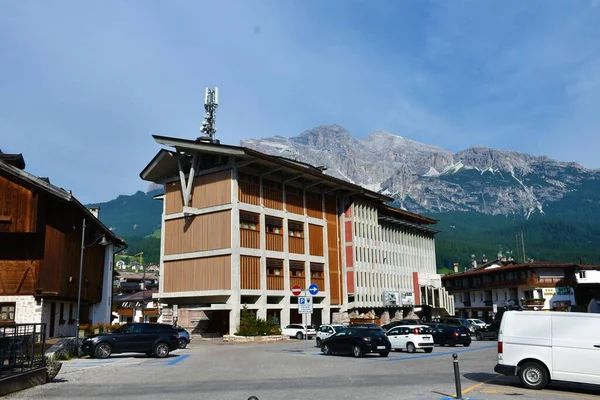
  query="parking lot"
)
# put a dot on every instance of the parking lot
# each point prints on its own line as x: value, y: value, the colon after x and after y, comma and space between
x: 286, y: 370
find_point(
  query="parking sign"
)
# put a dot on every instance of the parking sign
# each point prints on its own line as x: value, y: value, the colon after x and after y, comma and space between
x: 305, y: 305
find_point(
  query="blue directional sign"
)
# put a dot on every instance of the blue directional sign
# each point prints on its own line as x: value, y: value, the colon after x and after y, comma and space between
x: 313, y: 289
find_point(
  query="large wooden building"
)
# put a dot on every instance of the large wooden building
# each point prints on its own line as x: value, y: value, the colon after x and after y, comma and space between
x: 241, y: 227
x: 40, y: 249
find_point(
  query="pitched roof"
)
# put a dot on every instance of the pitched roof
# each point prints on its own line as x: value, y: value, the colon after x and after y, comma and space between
x: 509, y: 267
x: 44, y: 185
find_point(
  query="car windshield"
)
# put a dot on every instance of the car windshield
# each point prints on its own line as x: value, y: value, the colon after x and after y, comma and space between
x: 477, y: 321
x: 370, y: 332
x: 424, y: 330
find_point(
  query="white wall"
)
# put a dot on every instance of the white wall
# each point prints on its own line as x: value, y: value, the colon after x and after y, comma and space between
x: 26, y: 309
x: 588, y: 277
x: 101, y: 311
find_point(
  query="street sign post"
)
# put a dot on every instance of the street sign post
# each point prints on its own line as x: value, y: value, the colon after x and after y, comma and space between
x: 296, y: 290
x: 313, y: 289
x: 305, y: 305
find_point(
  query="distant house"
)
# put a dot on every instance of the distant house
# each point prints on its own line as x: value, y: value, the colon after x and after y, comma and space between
x: 136, y: 307
x: 121, y: 266
x: 41, y: 243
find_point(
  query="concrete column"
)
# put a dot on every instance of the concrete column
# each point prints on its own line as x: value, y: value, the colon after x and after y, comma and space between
x: 234, y: 300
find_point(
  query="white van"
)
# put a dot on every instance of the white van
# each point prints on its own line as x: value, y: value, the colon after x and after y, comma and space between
x: 542, y: 346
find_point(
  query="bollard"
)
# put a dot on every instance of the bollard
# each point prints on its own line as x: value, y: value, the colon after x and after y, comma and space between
x: 457, y: 377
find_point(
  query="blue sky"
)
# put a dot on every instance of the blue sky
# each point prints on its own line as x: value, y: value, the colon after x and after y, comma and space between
x: 83, y: 85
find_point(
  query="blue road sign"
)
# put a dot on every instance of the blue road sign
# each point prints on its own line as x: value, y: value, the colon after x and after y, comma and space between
x: 313, y: 289
x: 302, y: 300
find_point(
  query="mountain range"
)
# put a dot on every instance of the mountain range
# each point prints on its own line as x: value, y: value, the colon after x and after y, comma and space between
x: 482, y: 197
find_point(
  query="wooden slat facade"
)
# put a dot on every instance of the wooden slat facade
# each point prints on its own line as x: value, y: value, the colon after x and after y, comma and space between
x: 249, y: 238
x: 294, y: 203
x: 18, y: 207
x: 273, y: 198
x: 207, y: 191
x: 314, y: 206
x: 198, y: 233
x: 210, y: 273
x: 18, y: 277
x: 274, y: 282
x: 296, y: 245
x: 250, y: 272
x: 320, y: 282
x: 249, y: 192
x: 333, y: 253
x: 315, y: 238
x: 274, y: 241
x: 297, y: 280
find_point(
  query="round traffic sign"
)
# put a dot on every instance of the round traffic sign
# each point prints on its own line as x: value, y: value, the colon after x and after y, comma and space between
x: 313, y: 289
x: 296, y: 290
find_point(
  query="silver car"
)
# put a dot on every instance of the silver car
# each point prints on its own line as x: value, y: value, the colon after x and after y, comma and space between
x: 325, y: 331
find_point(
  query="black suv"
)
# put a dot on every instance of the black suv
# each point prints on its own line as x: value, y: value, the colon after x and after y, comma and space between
x: 451, y: 335
x: 357, y: 341
x: 153, y: 339
x: 490, y: 331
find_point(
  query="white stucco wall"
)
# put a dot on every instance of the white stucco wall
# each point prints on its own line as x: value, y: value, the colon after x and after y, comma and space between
x: 101, y: 312
x: 26, y: 309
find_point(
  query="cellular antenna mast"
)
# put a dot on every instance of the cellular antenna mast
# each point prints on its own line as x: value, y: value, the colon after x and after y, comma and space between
x: 208, y: 128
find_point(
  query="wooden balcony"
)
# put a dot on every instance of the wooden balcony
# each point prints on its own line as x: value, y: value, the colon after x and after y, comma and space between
x: 274, y: 241
x: 294, y: 203
x: 125, y: 312
x: 296, y: 245
x: 320, y: 282
x: 274, y: 282
x: 152, y: 312
x: 298, y: 280
x: 273, y: 198
x: 314, y: 208
x: 249, y: 238
x: 249, y: 192
x: 531, y: 303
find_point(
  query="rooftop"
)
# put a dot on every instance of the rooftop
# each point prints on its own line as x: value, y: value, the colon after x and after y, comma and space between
x: 510, y: 267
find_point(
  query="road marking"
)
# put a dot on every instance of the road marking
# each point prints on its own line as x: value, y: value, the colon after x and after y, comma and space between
x: 480, y: 384
x: 178, y: 359
x: 427, y: 355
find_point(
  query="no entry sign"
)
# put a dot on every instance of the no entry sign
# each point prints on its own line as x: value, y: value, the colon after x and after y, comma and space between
x: 296, y: 290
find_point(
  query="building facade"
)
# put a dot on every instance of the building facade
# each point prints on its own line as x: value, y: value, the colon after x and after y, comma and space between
x: 41, y: 231
x: 241, y: 228
x: 533, y: 285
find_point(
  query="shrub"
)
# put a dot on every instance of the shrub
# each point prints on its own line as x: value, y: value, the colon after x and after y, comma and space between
x: 252, y: 326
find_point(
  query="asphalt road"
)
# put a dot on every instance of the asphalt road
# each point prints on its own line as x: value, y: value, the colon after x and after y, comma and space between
x: 274, y: 371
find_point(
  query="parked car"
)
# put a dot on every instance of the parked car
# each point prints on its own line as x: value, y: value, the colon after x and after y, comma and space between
x: 451, y: 335
x: 325, y: 331
x: 393, y: 324
x: 357, y: 341
x: 411, y: 338
x: 366, y: 325
x: 477, y: 322
x: 489, y: 331
x: 298, y: 331
x: 184, y: 338
x: 153, y: 339
x: 541, y: 347
x: 459, y: 321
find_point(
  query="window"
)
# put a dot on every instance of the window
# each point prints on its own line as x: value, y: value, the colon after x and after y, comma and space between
x: 7, y: 312
x: 71, y: 320
x: 582, y: 274
x: 61, y: 319
x: 274, y: 267
x: 528, y: 294
x: 274, y: 225
x: 316, y: 271
x: 297, y: 268
x: 296, y: 229
x: 248, y: 220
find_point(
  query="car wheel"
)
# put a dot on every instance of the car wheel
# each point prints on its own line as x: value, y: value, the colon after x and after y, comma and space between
x: 325, y: 350
x: 451, y: 342
x: 318, y: 342
x: 479, y: 336
x: 533, y: 376
x: 299, y: 336
x: 182, y: 344
x: 384, y: 354
x: 103, y: 350
x: 411, y: 348
x: 357, y: 352
x: 428, y: 350
x: 161, y: 350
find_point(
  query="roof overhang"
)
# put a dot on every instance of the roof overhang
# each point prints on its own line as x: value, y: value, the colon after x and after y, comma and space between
x: 406, y: 224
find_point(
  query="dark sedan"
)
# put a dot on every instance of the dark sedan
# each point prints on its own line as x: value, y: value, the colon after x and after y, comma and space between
x: 490, y: 331
x: 152, y: 339
x: 451, y: 335
x: 357, y: 341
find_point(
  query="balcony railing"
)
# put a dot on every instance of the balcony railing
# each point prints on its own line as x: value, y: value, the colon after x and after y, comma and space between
x: 533, y: 302
x: 22, y: 348
x: 320, y: 282
x: 274, y: 241
x: 296, y: 245
x: 274, y: 282
x: 298, y: 280
x: 152, y: 312
x: 249, y: 238
x: 249, y: 192
x: 125, y: 312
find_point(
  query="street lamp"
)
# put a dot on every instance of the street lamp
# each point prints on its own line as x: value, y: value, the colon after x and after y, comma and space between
x: 103, y: 242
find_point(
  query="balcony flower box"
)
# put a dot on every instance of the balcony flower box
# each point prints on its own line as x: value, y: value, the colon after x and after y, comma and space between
x: 533, y: 302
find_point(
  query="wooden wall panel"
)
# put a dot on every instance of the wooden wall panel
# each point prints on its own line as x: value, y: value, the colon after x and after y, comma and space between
x: 294, y: 203
x: 198, y: 233
x: 274, y: 282
x: 314, y: 207
x: 249, y: 238
x: 298, y: 280
x: 273, y: 198
x: 249, y: 192
x: 315, y: 237
x: 333, y: 250
x: 212, y: 190
x: 296, y: 245
x: 18, y: 207
x: 173, y: 198
x: 18, y: 277
x: 210, y: 273
x: 274, y: 241
x: 250, y: 272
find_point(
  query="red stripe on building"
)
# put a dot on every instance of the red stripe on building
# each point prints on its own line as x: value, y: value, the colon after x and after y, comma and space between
x: 348, y: 229
x: 350, y: 281
x: 349, y: 256
x: 348, y: 212
x: 416, y: 288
